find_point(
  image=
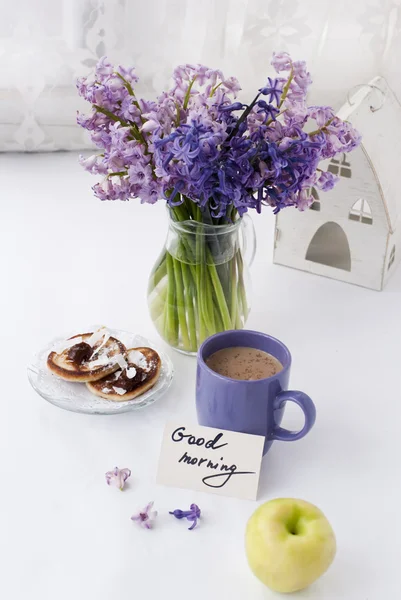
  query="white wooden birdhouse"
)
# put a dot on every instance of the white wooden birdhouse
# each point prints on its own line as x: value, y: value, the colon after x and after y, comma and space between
x: 352, y: 232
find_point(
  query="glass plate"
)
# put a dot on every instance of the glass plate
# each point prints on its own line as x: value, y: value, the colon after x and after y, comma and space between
x: 77, y: 398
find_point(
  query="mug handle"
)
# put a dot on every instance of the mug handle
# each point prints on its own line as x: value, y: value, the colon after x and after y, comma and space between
x: 308, y: 409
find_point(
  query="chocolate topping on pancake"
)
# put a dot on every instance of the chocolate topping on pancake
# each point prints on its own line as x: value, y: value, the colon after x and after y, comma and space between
x: 141, y: 373
x: 123, y: 381
x: 79, y: 353
x: 87, y: 356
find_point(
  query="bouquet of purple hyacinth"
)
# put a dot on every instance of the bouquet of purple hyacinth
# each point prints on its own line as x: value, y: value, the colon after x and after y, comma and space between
x: 211, y: 158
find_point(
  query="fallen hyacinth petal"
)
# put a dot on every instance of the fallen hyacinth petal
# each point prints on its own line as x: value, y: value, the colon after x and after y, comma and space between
x: 179, y: 514
x: 195, y: 522
x: 118, y: 477
x: 146, y: 517
x: 193, y: 514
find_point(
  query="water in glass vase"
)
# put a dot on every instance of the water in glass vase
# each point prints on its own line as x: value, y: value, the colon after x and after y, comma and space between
x: 200, y: 283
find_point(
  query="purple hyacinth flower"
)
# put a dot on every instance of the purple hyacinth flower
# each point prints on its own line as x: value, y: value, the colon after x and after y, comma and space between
x: 104, y: 69
x: 321, y: 114
x: 301, y: 76
x: 145, y: 518
x: 234, y: 106
x: 150, y: 193
x: 140, y: 174
x: 232, y: 85
x: 304, y: 200
x: 268, y: 109
x: 193, y: 514
x: 326, y: 181
x: 272, y: 89
x: 217, y: 153
x: 93, y: 164
x: 118, y: 477
x: 128, y: 73
x: 281, y: 61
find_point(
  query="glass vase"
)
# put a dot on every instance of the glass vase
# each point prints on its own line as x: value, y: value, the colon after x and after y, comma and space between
x: 200, y: 283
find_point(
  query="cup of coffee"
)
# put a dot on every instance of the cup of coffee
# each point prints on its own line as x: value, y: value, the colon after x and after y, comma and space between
x: 242, y: 385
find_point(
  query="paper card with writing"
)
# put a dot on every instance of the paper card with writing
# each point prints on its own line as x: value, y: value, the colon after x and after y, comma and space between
x: 210, y: 460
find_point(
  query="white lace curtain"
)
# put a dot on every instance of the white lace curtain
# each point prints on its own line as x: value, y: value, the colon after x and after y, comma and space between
x: 46, y: 44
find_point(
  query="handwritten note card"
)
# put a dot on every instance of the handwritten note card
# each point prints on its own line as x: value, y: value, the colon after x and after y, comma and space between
x: 210, y: 460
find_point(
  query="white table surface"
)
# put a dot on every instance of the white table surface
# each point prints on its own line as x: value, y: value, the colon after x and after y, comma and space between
x: 69, y: 260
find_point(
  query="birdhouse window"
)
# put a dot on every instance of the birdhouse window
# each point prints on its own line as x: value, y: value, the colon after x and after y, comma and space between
x: 316, y: 200
x: 340, y: 167
x: 392, y: 257
x: 361, y: 212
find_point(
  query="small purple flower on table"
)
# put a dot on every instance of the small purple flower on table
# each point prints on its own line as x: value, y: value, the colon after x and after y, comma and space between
x: 118, y: 477
x: 193, y: 514
x: 145, y: 517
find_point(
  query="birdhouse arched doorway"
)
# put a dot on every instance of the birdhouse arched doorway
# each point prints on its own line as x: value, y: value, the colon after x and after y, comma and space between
x: 329, y: 246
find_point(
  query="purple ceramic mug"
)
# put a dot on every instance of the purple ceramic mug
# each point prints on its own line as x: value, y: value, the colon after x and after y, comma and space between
x: 255, y: 406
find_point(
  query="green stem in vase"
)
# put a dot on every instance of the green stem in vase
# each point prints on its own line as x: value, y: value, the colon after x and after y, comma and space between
x: 221, y: 301
x: 188, y: 290
x: 202, y: 289
x: 196, y: 289
x: 160, y: 272
x: 234, y: 292
x: 199, y: 283
x: 219, y: 322
x: 205, y: 289
x: 172, y: 317
x: 209, y: 292
x: 182, y: 317
x: 202, y: 326
x: 241, y: 285
x: 223, y: 271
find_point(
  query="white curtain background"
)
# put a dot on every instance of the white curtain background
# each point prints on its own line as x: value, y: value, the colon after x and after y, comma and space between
x: 46, y: 44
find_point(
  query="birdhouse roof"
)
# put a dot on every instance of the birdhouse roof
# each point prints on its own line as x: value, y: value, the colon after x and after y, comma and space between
x: 375, y: 111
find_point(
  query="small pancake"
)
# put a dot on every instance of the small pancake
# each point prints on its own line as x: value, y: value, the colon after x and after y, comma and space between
x: 143, y: 371
x: 63, y: 366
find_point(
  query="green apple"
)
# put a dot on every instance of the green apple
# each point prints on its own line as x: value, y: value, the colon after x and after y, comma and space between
x: 289, y: 544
